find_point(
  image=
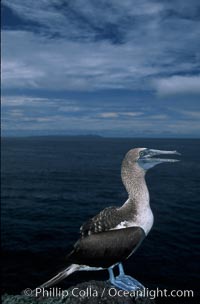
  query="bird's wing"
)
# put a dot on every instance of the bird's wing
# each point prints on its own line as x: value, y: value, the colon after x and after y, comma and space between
x: 104, y: 221
x: 107, y: 248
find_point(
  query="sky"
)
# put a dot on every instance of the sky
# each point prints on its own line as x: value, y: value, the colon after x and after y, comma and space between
x: 126, y: 68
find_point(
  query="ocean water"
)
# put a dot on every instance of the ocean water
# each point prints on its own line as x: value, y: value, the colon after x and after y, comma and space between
x: 51, y: 185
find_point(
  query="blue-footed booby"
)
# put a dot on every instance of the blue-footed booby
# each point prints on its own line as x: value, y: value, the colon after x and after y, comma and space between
x: 113, y: 235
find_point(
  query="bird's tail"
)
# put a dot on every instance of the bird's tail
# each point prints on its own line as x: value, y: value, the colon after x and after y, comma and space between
x: 59, y: 277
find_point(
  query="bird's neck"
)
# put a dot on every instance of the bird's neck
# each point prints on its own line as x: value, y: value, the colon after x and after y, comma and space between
x: 136, y: 209
x: 133, y: 178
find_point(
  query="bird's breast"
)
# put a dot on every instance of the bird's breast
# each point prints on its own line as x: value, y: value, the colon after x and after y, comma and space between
x: 144, y: 219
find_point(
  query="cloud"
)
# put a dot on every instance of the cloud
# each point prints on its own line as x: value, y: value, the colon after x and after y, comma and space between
x: 184, y: 127
x: 68, y: 66
x: 18, y: 100
x: 32, y: 115
x: 132, y: 114
x: 118, y: 114
x: 32, y: 62
x: 115, y: 45
x: 86, y: 67
x: 178, y: 85
x: 69, y: 109
x: 16, y: 113
x: 191, y: 114
x: 158, y: 117
x: 71, y: 19
x: 109, y: 115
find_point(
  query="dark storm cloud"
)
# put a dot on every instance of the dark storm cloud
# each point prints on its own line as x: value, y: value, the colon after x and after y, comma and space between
x: 145, y: 47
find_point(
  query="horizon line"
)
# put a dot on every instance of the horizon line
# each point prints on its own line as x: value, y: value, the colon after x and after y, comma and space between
x: 101, y: 136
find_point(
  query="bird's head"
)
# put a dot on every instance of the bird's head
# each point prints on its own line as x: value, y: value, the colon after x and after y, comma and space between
x: 147, y: 158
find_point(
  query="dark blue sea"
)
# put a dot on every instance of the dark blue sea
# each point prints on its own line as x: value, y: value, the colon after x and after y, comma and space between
x: 51, y: 185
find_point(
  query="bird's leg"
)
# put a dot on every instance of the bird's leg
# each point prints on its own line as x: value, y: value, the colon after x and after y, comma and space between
x: 121, y: 269
x: 128, y: 281
x: 123, y: 281
x: 113, y: 279
x: 111, y: 275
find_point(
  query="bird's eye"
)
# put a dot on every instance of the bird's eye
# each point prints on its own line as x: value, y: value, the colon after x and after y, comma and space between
x: 142, y: 153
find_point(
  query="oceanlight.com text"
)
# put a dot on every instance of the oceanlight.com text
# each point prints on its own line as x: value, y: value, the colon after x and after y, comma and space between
x: 109, y: 292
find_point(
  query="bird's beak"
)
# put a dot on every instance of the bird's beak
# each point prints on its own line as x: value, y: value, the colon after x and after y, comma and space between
x: 149, y: 160
x: 152, y: 152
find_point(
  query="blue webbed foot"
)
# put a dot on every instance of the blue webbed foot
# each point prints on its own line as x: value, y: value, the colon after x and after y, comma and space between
x: 123, y: 281
x: 128, y: 283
